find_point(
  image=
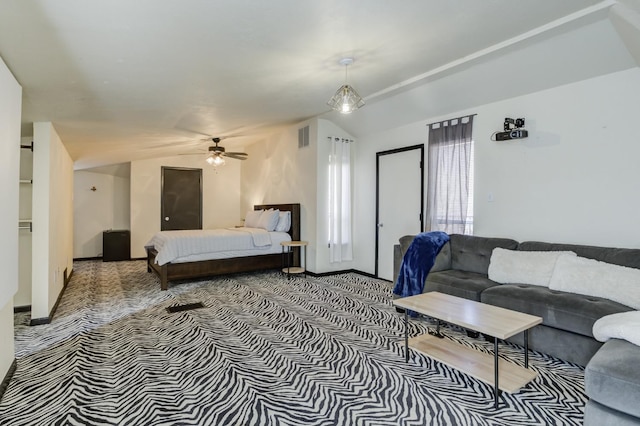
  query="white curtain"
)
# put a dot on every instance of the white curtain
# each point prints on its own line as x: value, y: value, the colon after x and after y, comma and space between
x: 450, y: 184
x: 340, y: 241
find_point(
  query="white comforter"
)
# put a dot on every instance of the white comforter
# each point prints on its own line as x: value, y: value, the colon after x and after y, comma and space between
x: 172, y: 245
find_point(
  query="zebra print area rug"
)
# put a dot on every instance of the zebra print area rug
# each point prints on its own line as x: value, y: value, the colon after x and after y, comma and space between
x: 263, y: 351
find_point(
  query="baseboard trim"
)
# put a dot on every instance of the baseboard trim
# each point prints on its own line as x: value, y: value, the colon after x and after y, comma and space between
x: 366, y: 274
x: 18, y: 309
x: 68, y: 278
x: 82, y: 259
x: 39, y: 321
x: 47, y: 320
x: 7, y: 378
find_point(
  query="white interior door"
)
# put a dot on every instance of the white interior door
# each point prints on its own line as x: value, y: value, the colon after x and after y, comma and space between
x: 400, y: 200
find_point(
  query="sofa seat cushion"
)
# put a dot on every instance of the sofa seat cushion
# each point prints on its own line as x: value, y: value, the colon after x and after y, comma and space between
x: 612, y: 377
x: 468, y: 285
x: 565, y: 311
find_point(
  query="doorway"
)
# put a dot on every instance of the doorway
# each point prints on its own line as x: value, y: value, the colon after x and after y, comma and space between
x: 181, y: 199
x: 399, y: 202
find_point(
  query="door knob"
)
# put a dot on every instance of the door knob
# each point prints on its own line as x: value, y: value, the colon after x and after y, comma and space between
x: 166, y: 219
x: 380, y: 225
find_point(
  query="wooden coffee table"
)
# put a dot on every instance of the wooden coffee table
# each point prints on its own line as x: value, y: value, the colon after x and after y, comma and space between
x: 491, y: 320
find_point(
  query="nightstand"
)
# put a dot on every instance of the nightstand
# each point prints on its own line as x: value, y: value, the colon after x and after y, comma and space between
x: 286, y: 258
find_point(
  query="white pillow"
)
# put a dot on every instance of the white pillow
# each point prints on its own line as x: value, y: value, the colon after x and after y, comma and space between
x: 599, y: 279
x: 523, y: 267
x: 284, y: 222
x: 252, y: 218
x: 269, y: 219
x: 624, y: 325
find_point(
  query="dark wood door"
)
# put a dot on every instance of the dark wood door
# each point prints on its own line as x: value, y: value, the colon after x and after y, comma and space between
x: 181, y: 201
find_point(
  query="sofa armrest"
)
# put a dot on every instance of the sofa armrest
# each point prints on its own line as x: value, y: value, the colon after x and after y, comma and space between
x: 442, y: 263
x: 397, y: 260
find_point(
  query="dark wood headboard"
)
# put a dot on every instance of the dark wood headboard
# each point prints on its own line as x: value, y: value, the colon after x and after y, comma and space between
x: 294, y: 231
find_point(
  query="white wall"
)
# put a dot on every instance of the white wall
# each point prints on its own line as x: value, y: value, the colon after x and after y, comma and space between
x: 221, y: 196
x: 574, y: 180
x: 108, y: 207
x: 278, y: 172
x: 7, y: 351
x: 52, y: 237
x: 10, y: 113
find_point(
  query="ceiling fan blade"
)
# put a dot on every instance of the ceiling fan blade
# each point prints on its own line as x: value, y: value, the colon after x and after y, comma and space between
x: 236, y: 155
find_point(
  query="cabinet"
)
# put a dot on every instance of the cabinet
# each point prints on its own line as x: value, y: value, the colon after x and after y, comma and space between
x: 116, y: 245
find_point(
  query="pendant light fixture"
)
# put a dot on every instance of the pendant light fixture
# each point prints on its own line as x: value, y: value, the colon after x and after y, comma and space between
x: 346, y: 100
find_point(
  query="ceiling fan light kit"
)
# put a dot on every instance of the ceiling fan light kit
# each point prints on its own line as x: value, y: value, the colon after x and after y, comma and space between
x: 217, y: 154
x: 215, y: 160
x: 346, y: 99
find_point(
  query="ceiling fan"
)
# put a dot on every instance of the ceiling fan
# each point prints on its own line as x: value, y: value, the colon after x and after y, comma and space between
x: 217, y: 153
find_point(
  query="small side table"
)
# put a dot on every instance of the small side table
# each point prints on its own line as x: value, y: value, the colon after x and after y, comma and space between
x: 288, y: 269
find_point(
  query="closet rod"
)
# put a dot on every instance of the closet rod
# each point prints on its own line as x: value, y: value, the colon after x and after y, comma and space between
x: 27, y: 146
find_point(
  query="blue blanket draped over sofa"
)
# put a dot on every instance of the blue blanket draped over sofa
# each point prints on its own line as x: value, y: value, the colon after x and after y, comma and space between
x: 418, y: 261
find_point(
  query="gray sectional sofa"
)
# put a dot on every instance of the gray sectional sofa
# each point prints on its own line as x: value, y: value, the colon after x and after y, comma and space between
x: 612, y: 380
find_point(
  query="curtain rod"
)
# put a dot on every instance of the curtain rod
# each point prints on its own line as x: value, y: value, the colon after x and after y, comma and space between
x: 340, y: 139
x: 451, y: 119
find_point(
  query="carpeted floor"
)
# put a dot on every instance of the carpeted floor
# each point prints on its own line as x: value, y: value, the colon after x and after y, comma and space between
x: 263, y: 350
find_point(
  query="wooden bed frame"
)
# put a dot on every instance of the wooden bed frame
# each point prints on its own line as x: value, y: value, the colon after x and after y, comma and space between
x: 206, y: 268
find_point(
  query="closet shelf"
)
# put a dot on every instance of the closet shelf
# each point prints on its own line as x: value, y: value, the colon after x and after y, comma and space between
x: 25, y: 224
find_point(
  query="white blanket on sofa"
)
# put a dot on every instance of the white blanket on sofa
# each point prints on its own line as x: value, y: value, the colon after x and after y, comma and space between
x: 624, y: 325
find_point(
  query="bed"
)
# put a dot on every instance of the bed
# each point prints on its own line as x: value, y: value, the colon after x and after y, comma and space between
x: 184, y: 270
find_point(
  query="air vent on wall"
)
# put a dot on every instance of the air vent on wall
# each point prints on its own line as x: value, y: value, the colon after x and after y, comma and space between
x: 303, y: 137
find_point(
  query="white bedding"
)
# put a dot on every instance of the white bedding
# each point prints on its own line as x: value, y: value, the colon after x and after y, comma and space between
x: 207, y: 244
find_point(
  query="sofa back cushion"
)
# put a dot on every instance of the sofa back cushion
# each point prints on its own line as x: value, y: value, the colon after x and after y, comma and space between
x: 616, y: 256
x: 443, y: 259
x: 472, y: 254
x: 523, y: 267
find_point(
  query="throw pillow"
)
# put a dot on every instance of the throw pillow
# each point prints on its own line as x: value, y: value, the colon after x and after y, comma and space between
x: 624, y: 325
x: 269, y: 219
x: 599, y: 279
x: 284, y: 222
x: 252, y: 218
x: 523, y: 267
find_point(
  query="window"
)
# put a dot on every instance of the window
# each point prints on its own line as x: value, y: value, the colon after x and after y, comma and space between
x: 340, y: 243
x: 450, y: 185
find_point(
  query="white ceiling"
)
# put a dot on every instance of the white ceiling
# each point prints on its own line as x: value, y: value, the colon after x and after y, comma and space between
x: 124, y: 80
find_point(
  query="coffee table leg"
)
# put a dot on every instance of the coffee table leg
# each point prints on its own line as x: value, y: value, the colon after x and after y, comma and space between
x: 406, y: 336
x: 496, y: 390
x: 526, y: 349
